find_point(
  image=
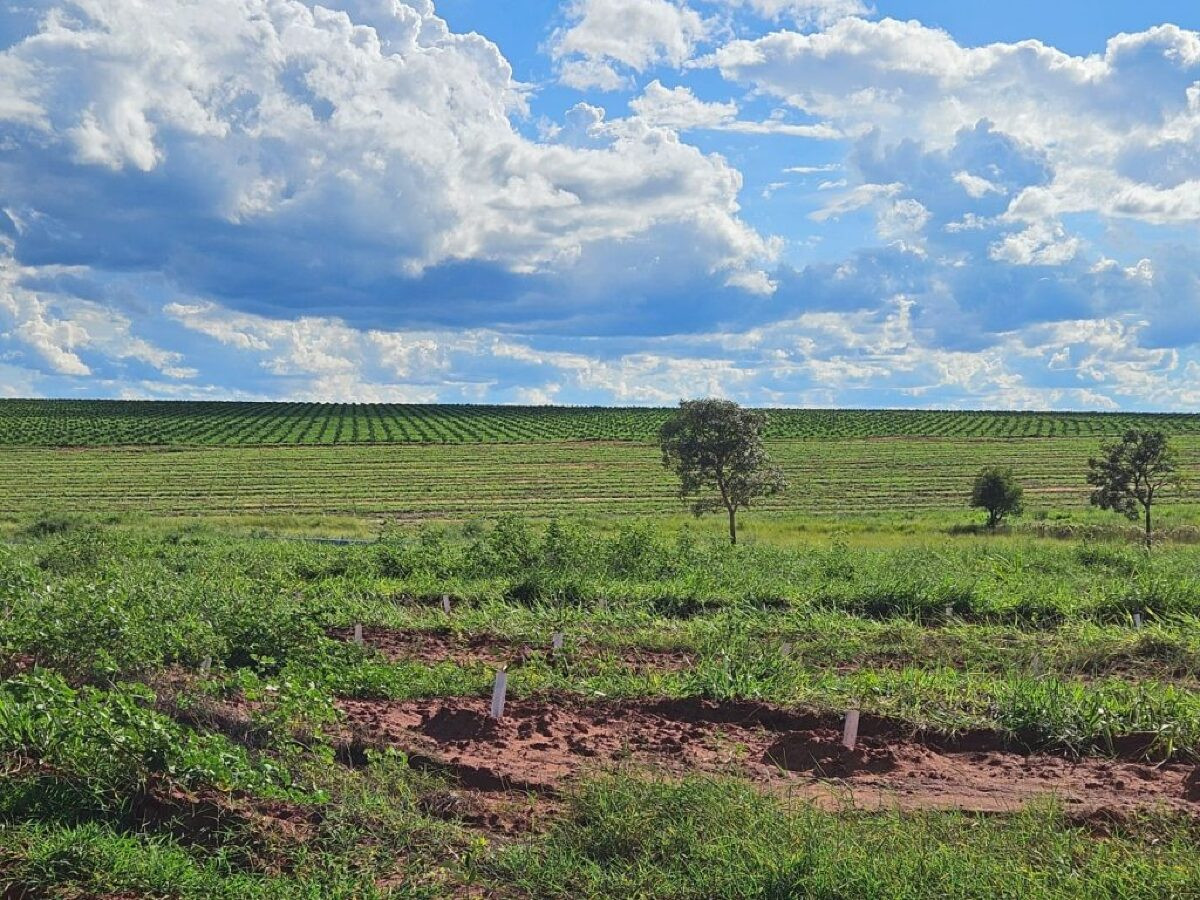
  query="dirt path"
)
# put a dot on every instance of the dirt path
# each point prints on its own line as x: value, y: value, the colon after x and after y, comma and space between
x: 542, y: 744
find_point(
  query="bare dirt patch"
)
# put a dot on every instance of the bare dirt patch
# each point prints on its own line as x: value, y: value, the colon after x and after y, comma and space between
x: 542, y: 744
x: 489, y: 650
x: 208, y: 817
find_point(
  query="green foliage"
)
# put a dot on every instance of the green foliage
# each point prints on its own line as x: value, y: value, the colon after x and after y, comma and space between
x: 108, y: 743
x: 76, y: 423
x: 52, y: 523
x: 511, y: 548
x: 716, y: 449
x: 722, y: 839
x: 996, y: 490
x: 911, y: 482
x: 75, y: 551
x: 97, y: 860
x: 1131, y: 473
x: 867, y: 624
x: 566, y: 547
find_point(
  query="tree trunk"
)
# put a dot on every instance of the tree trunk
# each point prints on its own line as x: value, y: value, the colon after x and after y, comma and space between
x: 733, y: 525
x: 1149, y: 529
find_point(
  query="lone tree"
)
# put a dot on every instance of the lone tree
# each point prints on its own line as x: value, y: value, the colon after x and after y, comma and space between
x: 1131, y: 473
x: 997, y: 491
x: 716, y: 449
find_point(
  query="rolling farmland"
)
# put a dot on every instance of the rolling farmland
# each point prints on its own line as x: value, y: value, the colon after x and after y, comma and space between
x: 330, y: 705
x: 461, y: 481
x: 418, y: 462
x: 103, y: 423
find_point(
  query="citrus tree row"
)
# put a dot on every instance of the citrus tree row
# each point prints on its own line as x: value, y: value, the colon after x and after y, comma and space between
x: 81, y: 423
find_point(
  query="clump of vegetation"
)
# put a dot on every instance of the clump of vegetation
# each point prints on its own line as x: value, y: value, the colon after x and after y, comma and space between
x: 699, y: 838
x: 997, y: 491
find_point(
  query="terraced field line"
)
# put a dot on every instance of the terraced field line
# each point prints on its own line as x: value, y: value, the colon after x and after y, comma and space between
x: 458, y: 481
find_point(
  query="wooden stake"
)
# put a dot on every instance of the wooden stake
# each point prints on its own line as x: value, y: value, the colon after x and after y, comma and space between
x: 498, y: 691
x: 850, y: 732
x: 1137, y: 621
x: 556, y: 641
x: 205, y: 666
x: 358, y: 638
x: 446, y: 604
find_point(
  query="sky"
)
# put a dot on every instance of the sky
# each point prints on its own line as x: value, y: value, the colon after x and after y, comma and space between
x: 828, y: 203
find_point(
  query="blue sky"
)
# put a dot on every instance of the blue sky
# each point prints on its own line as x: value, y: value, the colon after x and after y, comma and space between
x: 786, y: 202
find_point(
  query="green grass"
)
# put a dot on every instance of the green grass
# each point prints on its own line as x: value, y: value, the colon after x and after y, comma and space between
x: 711, y: 839
x: 124, y: 773
x: 169, y: 716
x: 887, y: 482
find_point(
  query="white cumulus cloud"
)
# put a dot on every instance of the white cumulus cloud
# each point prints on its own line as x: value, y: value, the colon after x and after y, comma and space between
x: 606, y: 39
x: 286, y: 144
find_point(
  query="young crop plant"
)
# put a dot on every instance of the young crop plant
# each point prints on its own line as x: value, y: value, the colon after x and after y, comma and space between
x: 716, y: 449
x: 997, y: 490
x: 1131, y: 474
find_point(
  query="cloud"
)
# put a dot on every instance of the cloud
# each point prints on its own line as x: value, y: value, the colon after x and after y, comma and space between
x: 679, y: 109
x: 1037, y: 245
x: 277, y: 198
x: 858, y: 197
x: 813, y: 170
x: 604, y: 39
x: 1116, y: 129
x: 324, y: 158
x: 804, y: 13
x: 58, y: 328
x: 975, y: 185
x: 903, y: 219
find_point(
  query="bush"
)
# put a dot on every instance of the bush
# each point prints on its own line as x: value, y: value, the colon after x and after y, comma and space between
x: 108, y: 743
x: 997, y: 491
x: 566, y: 547
x: 636, y: 553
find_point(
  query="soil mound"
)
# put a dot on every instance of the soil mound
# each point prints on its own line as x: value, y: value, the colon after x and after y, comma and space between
x: 544, y: 743
x: 824, y: 756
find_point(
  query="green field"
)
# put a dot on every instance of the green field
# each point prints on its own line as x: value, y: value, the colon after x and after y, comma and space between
x: 183, y: 714
x: 184, y: 711
x: 848, y: 479
x: 91, y: 423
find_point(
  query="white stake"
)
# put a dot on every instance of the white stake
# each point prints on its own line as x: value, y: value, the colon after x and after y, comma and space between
x: 785, y: 649
x: 1137, y: 621
x: 358, y: 638
x: 446, y: 604
x: 949, y: 611
x: 205, y: 666
x: 498, y: 692
x: 556, y: 641
x: 1035, y: 665
x: 850, y: 732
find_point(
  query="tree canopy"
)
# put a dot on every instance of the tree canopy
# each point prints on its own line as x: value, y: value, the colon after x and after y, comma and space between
x: 1131, y: 474
x: 716, y: 449
x: 996, y: 490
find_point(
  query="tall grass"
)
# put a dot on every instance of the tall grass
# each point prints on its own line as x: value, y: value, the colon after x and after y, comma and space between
x: 714, y: 839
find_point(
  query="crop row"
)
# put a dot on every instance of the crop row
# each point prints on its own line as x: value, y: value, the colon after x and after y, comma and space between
x: 81, y: 423
x: 847, y: 477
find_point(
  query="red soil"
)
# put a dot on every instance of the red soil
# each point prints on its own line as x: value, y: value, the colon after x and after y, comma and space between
x: 541, y: 744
